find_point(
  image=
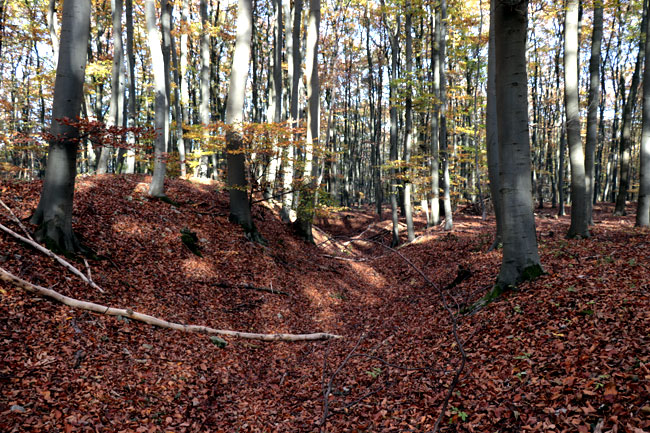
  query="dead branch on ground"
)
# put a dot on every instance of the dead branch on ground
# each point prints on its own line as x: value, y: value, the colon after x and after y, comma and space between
x: 151, y: 320
x: 49, y: 253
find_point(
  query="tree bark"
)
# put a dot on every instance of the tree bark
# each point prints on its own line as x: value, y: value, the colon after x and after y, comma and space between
x: 626, y: 126
x: 294, y: 62
x: 579, y: 221
x: 408, y: 124
x: 306, y: 207
x: 240, y: 212
x: 643, y: 206
x: 161, y: 111
x: 592, y: 108
x: 520, y: 257
x: 54, y: 212
x: 446, y: 181
x: 492, y: 134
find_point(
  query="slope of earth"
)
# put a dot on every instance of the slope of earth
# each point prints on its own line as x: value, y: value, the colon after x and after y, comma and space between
x: 568, y: 352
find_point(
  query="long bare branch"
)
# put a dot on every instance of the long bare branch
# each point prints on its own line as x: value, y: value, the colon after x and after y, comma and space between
x: 151, y: 320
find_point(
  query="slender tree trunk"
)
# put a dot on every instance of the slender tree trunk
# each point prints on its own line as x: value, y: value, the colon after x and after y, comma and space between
x: 626, y: 126
x: 643, y: 206
x: 52, y: 28
x: 240, y: 212
x: 394, y: 48
x: 408, y: 125
x: 592, y: 107
x: 579, y: 221
x: 492, y: 134
x: 54, y: 212
x: 307, y: 204
x: 114, y: 111
x: 157, y: 188
x: 129, y: 167
x: 275, y: 100
x: 294, y: 62
x: 434, y: 166
x: 446, y: 181
x: 520, y: 256
x: 204, y: 108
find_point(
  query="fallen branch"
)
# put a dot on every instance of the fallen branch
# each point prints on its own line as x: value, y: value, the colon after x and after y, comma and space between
x: 251, y: 287
x: 151, y: 320
x: 47, y: 252
x: 16, y: 220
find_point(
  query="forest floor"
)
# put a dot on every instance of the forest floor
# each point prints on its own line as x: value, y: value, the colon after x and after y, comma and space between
x: 567, y: 352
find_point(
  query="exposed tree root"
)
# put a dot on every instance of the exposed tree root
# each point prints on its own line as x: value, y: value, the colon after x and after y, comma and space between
x: 151, y: 320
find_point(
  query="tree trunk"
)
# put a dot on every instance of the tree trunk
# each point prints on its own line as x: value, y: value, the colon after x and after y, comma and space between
x: 54, y: 212
x: 579, y: 221
x: 115, y: 108
x: 434, y: 166
x: 275, y: 99
x: 157, y: 189
x: 492, y: 134
x: 408, y: 124
x: 446, y: 181
x: 294, y: 62
x: 643, y: 207
x: 204, y: 108
x: 307, y: 203
x: 240, y: 212
x: 520, y: 257
x: 129, y: 167
x: 592, y: 108
x: 626, y: 126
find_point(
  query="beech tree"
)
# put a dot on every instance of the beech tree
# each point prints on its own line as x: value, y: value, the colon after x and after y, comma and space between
x: 307, y: 203
x: 520, y: 257
x: 579, y: 219
x: 240, y: 211
x: 161, y: 108
x: 54, y: 212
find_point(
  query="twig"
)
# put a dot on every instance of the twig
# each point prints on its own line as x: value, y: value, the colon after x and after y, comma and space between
x: 151, y: 320
x: 90, y: 275
x: 16, y: 220
x: 47, y: 252
x: 327, y: 390
x: 251, y: 287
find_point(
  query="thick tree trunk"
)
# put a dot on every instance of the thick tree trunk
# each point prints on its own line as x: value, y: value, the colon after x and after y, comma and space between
x: 54, y: 212
x: 579, y: 221
x: 520, y: 256
x: 592, y: 108
x: 157, y: 189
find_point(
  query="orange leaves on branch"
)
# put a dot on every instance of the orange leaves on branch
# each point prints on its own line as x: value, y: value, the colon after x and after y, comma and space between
x: 101, y: 134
